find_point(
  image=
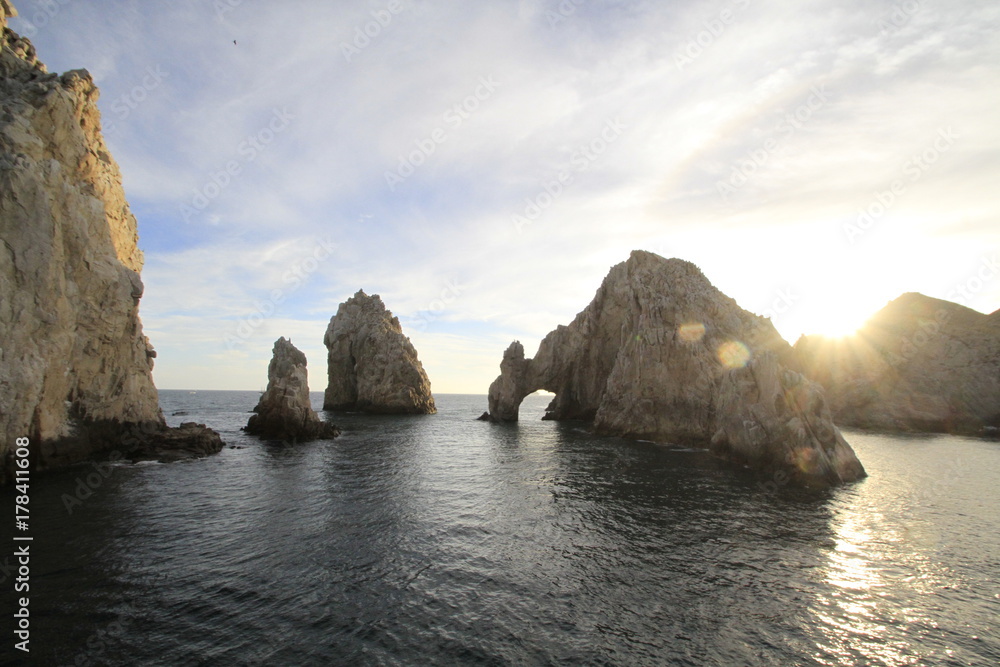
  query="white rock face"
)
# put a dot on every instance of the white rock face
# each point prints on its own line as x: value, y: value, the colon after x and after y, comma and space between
x: 661, y: 354
x: 919, y: 364
x: 372, y: 366
x: 73, y: 353
x: 284, y: 411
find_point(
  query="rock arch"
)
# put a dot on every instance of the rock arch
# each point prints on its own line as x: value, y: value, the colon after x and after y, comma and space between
x: 661, y: 354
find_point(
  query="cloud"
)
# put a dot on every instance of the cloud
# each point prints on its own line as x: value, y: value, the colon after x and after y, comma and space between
x: 753, y: 135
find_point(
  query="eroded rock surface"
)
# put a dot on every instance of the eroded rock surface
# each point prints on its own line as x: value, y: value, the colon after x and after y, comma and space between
x: 661, y: 354
x: 372, y: 366
x: 919, y: 364
x: 75, y: 367
x: 284, y: 411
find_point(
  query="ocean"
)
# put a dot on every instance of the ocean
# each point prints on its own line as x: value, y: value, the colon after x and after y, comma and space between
x: 442, y: 540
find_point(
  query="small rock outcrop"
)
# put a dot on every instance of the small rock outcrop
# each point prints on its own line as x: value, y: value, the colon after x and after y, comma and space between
x: 372, y: 366
x: 661, y: 354
x: 284, y: 411
x: 75, y: 367
x: 919, y: 364
x: 156, y: 443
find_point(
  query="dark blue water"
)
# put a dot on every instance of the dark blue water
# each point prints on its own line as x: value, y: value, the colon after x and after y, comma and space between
x: 439, y: 540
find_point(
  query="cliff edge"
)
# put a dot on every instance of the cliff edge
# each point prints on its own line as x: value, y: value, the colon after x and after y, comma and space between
x: 75, y: 367
x: 661, y: 354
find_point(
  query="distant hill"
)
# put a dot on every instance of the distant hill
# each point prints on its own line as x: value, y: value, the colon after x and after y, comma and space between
x: 919, y: 364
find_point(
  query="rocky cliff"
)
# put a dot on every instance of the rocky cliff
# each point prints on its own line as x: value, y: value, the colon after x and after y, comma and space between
x: 372, y: 366
x: 661, y: 354
x: 75, y: 367
x: 284, y: 411
x: 919, y: 364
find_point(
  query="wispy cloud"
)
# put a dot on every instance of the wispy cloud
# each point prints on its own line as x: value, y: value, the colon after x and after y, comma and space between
x: 813, y: 109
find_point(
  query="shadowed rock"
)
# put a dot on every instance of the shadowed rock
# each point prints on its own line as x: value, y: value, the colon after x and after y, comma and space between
x: 284, y: 411
x: 919, y: 364
x: 75, y: 367
x: 372, y: 366
x: 661, y: 354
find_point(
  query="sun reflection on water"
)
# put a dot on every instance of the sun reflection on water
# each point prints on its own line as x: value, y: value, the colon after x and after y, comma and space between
x: 849, y: 566
x: 863, y: 621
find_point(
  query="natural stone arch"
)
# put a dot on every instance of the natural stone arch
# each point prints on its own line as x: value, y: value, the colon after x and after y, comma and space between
x: 661, y: 354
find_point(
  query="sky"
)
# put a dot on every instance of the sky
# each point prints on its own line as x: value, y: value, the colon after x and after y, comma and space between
x: 481, y: 166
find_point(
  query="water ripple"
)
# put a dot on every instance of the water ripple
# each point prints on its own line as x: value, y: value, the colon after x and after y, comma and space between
x: 440, y: 540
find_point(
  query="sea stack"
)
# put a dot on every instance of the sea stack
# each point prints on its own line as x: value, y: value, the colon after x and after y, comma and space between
x: 75, y: 367
x: 919, y: 364
x: 284, y: 411
x: 661, y: 354
x: 372, y: 366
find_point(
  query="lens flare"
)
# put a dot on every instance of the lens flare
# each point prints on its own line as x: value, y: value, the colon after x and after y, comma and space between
x: 691, y: 332
x: 733, y: 354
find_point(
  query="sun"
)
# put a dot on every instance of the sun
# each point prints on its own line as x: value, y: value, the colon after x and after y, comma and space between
x: 831, y: 304
x: 833, y: 322
x: 833, y: 316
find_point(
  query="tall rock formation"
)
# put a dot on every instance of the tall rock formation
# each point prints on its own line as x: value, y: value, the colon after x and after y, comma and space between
x: 919, y: 364
x: 75, y: 367
x: 284, y: 411
x: 661, y: 354
x: 372, y: 366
